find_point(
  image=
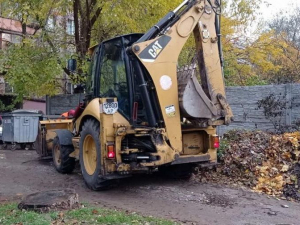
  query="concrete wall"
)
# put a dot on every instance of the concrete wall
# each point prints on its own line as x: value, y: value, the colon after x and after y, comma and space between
x: 56, y: 105
x: 243, y: 101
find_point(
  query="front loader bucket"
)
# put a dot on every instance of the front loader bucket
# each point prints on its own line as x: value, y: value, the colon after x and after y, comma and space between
x: 193, y: 101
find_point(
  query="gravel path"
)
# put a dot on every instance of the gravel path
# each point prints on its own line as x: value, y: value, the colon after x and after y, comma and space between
x: 188, y: 202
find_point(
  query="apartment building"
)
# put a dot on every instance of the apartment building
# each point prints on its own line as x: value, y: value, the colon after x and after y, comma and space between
x: 11, y: 33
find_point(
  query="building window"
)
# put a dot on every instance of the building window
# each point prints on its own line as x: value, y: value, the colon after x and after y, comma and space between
x: 50, y: 23
x: 70, y: 27
x: 8, y: 88
x: 16, y: 39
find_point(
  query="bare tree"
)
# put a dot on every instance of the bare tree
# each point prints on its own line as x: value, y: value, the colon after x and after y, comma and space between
x: 289, y: 24
x: 287, y: 30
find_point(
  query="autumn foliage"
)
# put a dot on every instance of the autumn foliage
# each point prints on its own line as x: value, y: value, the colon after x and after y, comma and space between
x: 264, y: 162
x: 254, y: 53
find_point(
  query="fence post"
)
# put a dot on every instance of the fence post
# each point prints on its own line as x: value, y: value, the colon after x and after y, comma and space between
x: 288, y: 110
x: 48, y: 106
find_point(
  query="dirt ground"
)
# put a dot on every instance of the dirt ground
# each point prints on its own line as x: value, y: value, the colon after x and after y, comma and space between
x: 188, y: 202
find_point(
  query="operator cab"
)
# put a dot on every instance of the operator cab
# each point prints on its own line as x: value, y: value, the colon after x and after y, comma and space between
x: 112, y: 75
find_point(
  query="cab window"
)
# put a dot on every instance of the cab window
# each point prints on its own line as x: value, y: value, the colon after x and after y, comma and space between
x: 113, y: 81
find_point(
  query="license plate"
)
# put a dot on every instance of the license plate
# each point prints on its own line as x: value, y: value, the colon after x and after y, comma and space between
x: 110, y: 107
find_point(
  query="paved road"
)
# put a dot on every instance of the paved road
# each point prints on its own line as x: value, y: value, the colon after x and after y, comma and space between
x: 187, y: 202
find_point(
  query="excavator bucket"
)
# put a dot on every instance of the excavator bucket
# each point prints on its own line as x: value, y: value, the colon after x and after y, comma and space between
x: 193, y: 101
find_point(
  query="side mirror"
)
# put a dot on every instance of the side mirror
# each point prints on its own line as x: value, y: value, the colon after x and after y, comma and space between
x: 72, y: 65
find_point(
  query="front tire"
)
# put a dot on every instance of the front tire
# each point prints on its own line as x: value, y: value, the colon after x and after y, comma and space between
x: 90, y: 156
x: 61, y: 160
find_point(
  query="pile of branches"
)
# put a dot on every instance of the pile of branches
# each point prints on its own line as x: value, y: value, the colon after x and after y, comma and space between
x: 262, y: 161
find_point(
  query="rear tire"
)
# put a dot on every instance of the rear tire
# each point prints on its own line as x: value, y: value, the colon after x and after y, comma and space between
x: 184, y: 171
x: 90, y: 156
x: 61, y: 160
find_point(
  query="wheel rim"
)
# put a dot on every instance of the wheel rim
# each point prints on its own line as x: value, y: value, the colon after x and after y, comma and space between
x: 57, y: 155
x: 89, y: 154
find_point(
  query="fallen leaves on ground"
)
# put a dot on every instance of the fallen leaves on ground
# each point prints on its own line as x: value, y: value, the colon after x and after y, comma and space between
x: 264, y: 162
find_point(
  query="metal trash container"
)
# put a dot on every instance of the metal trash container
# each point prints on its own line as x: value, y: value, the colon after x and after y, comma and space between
x: 20, y: 127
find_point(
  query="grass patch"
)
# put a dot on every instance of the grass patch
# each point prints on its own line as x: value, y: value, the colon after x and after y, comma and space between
x: 224, y: 144
x: 10, y: 214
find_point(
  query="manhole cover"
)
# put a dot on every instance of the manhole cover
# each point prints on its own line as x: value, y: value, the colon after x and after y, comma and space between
x: 50, y: 200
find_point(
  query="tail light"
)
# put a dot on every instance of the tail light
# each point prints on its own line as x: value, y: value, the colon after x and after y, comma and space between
x: 216, y: 141
x: 111, y: 151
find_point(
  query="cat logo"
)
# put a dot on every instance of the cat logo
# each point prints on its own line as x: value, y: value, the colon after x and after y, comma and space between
x: 155, y: 50
x: 151, y: 53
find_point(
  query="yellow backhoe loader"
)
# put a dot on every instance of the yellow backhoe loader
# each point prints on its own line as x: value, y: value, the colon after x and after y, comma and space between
x: 138, y: 115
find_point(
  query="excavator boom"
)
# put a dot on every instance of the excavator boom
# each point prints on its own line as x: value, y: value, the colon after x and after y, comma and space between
x: 158, y: 52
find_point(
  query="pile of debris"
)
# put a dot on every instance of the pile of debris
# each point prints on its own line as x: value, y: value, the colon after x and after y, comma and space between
x: 264, y: 162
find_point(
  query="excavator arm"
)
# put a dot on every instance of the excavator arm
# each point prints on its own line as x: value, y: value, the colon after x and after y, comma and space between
x: 182, y: 96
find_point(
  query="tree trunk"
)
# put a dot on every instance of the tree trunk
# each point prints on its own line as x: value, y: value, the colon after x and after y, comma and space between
x: 84, y: 22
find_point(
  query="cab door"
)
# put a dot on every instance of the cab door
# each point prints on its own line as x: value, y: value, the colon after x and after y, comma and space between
x: 113, y: 80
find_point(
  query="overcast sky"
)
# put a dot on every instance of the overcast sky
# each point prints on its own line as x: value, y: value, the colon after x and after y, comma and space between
x: 277, y: 6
